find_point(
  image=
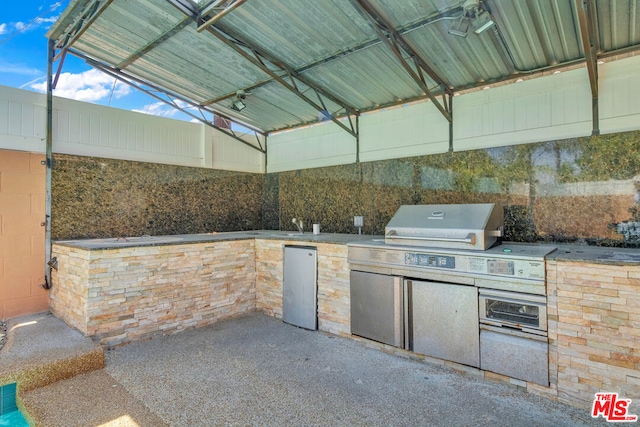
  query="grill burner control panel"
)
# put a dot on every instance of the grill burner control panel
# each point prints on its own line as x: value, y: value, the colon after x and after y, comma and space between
x: 427, y: 260
x: 513, y: 267
x: 530, y: 269
x: 501, y: 267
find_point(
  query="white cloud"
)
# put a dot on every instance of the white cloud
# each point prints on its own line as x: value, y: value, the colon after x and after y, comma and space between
x: 9, y: 68
x: 47, y: 20
x: 90, y: 86
x: 19, y: 26
x: 160, y: 109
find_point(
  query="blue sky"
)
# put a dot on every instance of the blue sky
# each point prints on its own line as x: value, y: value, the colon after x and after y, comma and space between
x: 23, y: 61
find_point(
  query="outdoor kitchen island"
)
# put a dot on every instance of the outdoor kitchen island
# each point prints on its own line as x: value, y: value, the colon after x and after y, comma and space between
x: 122, y: 290
x: 126, y: 291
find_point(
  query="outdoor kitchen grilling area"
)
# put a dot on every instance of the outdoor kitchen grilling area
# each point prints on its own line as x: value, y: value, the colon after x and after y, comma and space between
x: 442, y: 284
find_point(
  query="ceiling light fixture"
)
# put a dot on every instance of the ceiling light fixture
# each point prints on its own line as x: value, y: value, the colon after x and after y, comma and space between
x: 460, y: 27
x: 483, y: 22
x: 238, y: 102
x: 238, y: 105
x: 473, y: 15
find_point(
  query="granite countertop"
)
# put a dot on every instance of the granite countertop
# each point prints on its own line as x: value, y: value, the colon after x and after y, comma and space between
x: 564, y: 252
x: 595, y: 255
x: 182, y: 239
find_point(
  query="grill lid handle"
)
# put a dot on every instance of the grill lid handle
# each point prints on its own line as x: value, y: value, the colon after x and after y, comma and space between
x: 499, y: 232
x: 471, y: 238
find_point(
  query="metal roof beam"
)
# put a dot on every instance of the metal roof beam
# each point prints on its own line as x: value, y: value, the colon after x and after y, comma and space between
x: 586, y: 15
x: 354, y: 49
x: 396, y: 44
x: 152, y: 90
x: 90, y: 13
x: 154, y: 43
x: 259, y: 59
x: 222, y: 11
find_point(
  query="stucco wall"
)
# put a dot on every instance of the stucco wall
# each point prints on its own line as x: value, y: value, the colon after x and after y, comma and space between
x: 22, y: 210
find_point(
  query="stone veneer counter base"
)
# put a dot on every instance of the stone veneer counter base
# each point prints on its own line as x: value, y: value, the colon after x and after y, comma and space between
x: 118, y: 291
x: 126, y: 294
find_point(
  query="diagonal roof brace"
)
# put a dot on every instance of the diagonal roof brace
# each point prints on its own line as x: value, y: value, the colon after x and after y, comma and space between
x: 394, y: 41
x: 590, y: 41
x: 262, y: 60
x: 179, y: 26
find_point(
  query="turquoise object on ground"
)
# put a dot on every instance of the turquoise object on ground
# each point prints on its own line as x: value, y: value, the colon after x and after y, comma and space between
x: 8, y: 398
x: 13, y: 419
x: 10, y: 416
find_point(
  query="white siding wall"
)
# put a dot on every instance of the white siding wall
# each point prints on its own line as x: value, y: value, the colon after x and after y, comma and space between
x: 229, y: 154
x: 620, y: 95
x: 23, y: 118
x: 93, y: 130
x: 321, y: 145
x: 540, y: 109
x: 414, y: 130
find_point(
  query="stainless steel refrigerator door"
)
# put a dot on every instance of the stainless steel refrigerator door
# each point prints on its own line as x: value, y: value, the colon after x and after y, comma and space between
x: 377, y: 307
x: 300, y: 287
x: 444, y: 321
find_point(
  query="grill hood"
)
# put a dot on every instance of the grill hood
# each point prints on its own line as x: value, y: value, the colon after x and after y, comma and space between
x: 465, y: 226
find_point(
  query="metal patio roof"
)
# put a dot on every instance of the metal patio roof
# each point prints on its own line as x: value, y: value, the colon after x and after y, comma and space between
x: 295, y: 62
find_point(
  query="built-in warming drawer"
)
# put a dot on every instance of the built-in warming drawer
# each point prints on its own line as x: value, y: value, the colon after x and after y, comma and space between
x: 517, y: 355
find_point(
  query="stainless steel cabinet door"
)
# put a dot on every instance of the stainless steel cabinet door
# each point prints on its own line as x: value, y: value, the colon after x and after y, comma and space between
x: 444, y: 321
x: 377, y: 307
x: 299, y: 288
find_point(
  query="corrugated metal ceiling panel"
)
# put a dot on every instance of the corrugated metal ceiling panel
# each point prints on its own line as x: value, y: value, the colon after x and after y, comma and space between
x: 370, y: 78
x: 619, y: 23
x: 539, y: 34
x: 300, y: 32
x: 334, y: 46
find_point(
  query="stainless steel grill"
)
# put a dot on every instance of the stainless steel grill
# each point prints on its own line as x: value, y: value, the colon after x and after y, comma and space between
x: 465, y: 226
x: 442, y: 286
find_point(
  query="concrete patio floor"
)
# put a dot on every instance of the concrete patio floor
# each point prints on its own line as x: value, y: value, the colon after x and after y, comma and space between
x: 256, y: 370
